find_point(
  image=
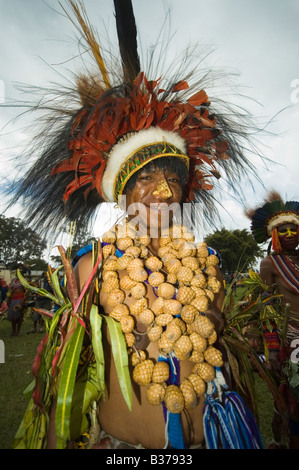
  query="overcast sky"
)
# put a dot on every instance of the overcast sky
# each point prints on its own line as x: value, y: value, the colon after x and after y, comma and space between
x: 259, y: 39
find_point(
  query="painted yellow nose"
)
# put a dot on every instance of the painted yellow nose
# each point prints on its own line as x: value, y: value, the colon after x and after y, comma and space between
x: 162, y: 190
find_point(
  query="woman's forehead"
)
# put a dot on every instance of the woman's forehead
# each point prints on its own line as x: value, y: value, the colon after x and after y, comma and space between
x: 286, y: 226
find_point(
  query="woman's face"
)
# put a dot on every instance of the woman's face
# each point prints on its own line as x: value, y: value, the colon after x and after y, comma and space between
x: 155, y: 197
x: 288, y: 236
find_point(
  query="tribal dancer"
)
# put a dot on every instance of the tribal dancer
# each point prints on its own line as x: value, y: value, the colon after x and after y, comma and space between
x: 154, y: 308
x: 279, y: 222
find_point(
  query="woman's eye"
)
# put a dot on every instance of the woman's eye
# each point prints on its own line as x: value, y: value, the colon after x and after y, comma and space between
x: 144, y: 177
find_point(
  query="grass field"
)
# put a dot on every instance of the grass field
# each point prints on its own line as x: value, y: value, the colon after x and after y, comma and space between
x: 15, y: 375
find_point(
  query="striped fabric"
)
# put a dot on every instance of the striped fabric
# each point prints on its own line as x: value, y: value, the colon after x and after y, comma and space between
x: 287, y: 271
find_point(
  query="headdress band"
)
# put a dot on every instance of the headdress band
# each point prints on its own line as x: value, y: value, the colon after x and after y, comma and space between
x: 140, y: 158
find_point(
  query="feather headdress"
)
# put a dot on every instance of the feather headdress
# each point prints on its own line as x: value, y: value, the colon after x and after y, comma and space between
x: 271, y: 214
x: 124, y: 120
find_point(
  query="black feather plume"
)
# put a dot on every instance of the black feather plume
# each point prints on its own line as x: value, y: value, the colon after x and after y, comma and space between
x: 127, y: 39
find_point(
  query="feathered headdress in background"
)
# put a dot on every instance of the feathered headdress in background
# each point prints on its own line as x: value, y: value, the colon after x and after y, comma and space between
x: 271, y: 214
x: 126, y: 119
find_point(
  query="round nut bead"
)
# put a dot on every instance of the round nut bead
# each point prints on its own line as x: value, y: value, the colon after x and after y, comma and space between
x: 127, y: 323
x: 173, y: 332
x: 212, y: 338
x: 155, y: 333
x: 116, y: 297
x: 189, y: 394
x: 211, y: 271
x: 201, y: 303
x: 158, y: 306
x: 210, y: 294
x: 171, y: 278
x: 127, y: 283
x: 196, y: 356
x: 174, y: 399
x: 144, y: 240
x: 138, y: 291
x: 139, y: 305
x: 155, y: 393
x: 146, y: 316
x: 164, y: 342
x: 106, y: 274
x: 109, y: 237
x: 130, y: 339
x: 108, y: 250
x: 153, y: 263
x: 185, y: 275
x: 139, y: 275
x: 191, y: 262
x: 199, y: 343
x: 156, y: 278
x: 185, y: 295
x: 137, y: 357
x: 172, y: 306
x: 173, y: 265
x: 183, y: 347
x: 178, y: 321
x: 111, y: 284
x: 163, y: 319
x: 164, y: 240
x: 188, y: 313
x: 160, y: 372
x: 202, y: 251
x: 213, y: 356
x: 198, y: 383
x: 166, y: 290
x: 142, y: 373
x: 214, y: 284
x: 203, y: 326
x: 124, y: 242
x: 133, y: 251
x: 199, y: 280
x: 119, y: 311
x: 143, y: 251
x: 134, y: 265
x: 123, y: 262
x: 212, y: 260
x: 205, y: 371
x: 187, y: 249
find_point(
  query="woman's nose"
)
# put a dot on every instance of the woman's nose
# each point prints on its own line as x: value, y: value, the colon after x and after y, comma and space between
x: 162, y: 190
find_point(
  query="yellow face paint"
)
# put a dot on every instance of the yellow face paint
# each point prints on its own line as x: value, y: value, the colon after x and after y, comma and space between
x: 287, y: 232
x: 162, y: 189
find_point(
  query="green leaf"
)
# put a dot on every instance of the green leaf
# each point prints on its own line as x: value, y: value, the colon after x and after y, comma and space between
x: 120, y: 355
x: 97, y: 343
x: 28, y: 286
x: 66, y: 386
x: 56, y: 284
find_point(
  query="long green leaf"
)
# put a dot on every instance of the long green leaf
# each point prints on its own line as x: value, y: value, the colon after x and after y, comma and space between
x: 28, y: 286
x: 120, y: 355
x: 56, y: 284
x: 66, y: 386
x: 97, y: 343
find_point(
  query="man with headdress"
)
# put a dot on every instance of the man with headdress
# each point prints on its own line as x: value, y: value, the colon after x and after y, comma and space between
x: 151, y: 148
x: 279, y: 221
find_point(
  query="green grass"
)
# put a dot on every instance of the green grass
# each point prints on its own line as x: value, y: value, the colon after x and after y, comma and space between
x: 15, y: 375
